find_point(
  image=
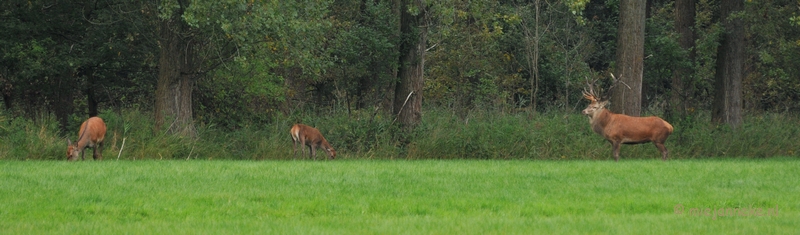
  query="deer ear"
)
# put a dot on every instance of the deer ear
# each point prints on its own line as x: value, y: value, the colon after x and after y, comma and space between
x: 604, y: 104
x: 69, y: 142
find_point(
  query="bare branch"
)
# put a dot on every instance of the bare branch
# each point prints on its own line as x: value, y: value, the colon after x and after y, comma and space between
x: 401, y: 107
x: 120, y: 149
x: 614, y: 82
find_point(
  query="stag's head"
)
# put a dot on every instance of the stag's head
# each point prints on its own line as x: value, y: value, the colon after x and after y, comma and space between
x: 592, y: 93
x: 596, y: 106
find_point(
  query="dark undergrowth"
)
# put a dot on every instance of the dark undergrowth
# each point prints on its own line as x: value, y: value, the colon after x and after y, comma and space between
x: 441, y: 135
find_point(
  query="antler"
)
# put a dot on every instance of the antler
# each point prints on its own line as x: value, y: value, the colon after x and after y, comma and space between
x: 590, y: 95
x: 594, y: 92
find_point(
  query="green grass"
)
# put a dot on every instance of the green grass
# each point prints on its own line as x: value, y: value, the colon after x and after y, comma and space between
x: 396, y: 197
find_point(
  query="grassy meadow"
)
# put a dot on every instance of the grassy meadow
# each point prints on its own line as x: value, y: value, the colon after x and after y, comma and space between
x: 398, y: 196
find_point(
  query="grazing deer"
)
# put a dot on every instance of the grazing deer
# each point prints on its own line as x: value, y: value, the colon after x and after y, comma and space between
x: 91, y: 135
x: 623, y: 129
x: 306, y: 135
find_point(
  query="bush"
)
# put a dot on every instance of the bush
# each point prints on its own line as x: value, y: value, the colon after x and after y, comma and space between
x: 477, y: 134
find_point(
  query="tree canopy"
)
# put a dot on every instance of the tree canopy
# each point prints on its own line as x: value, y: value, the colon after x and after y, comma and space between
x: 238, y: 62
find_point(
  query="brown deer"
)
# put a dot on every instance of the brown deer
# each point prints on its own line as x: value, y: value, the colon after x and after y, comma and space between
x: 623, y: 129
x: 91, y: 135
x: 306, y: 135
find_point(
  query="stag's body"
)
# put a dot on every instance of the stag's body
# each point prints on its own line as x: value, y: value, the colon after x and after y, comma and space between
x: 91, y: 135
x: 306, y: 135
x: 623, y: 129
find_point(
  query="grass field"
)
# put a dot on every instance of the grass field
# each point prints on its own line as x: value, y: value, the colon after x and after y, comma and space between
x: 399, y: 197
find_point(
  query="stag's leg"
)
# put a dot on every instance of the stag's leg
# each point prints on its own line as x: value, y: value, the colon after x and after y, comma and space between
x: 83, y: 151
x: 663, y: 150
x: 313, y: 152
x: 615, y: 146
x: 98, y: 151
x: 294, y: 149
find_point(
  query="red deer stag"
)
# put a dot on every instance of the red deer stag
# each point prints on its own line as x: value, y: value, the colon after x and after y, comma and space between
x: 91, y: 135
x: 623, y: 129
x: 306, y: 135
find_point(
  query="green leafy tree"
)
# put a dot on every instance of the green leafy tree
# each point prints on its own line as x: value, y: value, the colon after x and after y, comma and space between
x: 62, y: 57
x: 773, y: 50
x: 197, y: 37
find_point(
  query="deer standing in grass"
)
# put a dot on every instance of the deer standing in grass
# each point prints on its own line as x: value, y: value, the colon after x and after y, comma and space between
x: 306, y: 135
x: 623, y: 129
x: 91, y: 135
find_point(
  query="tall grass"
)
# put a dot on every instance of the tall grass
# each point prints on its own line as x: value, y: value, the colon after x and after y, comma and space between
x: 372, y: 135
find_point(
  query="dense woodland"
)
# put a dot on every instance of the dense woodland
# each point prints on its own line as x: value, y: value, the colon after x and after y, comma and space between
x: 235, y: 64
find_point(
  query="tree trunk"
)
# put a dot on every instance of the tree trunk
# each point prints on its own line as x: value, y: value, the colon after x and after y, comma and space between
x: 6, y: 88
x: 176, y: 70
x: 684, y: 21
x: 727, y: 106
x: 627, y: 98
x: 531, y: 45
x: 91, y: 100
x: 63, y: 101
x: 412, y: 61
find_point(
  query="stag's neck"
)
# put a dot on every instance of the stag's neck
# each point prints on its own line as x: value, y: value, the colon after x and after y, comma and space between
x: 600, y: 119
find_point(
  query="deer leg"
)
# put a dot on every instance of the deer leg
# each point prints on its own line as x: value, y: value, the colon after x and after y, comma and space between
x: 663, y: 150
x: 303, y: 148
x: 313, y: 152
x: 294, y: 148
x: 615, y: 146
x: 98, y: 152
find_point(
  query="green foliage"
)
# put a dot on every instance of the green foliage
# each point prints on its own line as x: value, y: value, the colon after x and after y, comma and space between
x: 476, y: 134
x: 396, y: 197
x: 252, y: 49
x: 576, y: 7
x: 502, y: 71
x: 49, y: 59
x: 268, y: 63
x: 709, y: 33
x: 663, y: 55
x: 362, y: 46
x: 775, y: 48
x: 463, y: 31
x: 234, y: 98
x: 25, y: 139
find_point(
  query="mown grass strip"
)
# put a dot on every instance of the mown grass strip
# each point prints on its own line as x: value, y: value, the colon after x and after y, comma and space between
x: 397, y: 197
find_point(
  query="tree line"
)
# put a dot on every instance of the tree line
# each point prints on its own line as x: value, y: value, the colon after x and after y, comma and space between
x: 237, y: 62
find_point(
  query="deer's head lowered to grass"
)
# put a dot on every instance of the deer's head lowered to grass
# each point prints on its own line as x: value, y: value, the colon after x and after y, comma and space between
x: 623, y: 129
x: 311, y: 137
x: 91, y: 135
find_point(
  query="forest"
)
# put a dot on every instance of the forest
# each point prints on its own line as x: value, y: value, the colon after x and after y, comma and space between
x: 487, y: 79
